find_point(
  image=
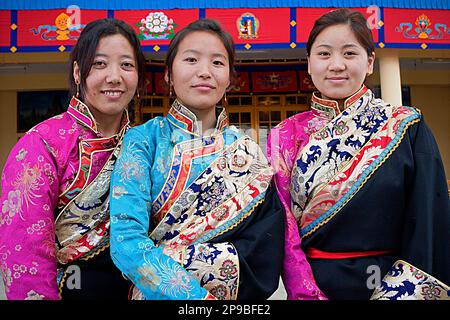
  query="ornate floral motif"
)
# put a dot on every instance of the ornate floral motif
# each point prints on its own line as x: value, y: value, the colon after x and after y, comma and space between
x: 210, y: 186
x: 220, y: 292
x: 229, y: 269
x: 33, y: 295
x: 423, y: 29
x: 12, y: 205
x: 406, y: 282
x: 338, y: 161
x: 156, y: 26
x: 216, y: 266
x: 42, y: 166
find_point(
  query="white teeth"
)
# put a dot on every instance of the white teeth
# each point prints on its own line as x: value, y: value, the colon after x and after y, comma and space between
x: 112, y: 93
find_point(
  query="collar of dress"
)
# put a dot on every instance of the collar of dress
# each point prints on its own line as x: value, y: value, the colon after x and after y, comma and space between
x: 185, y: 119
x: 82, y: 114
x: 329, y: 109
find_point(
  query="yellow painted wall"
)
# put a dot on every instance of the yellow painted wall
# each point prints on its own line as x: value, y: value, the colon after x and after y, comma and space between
x: 434, y: 102
x: 430, y: 92
x: 9, y: 85
x: 8, y: 127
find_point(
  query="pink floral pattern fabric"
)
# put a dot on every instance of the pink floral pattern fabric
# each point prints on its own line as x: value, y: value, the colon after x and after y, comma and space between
x: 284, y: 143
x: 40, y: 167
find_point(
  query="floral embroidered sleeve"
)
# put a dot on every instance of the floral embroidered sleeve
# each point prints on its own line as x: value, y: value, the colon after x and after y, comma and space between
x: 153, y: 272
x: 27, y: 237
x: 297, y: 275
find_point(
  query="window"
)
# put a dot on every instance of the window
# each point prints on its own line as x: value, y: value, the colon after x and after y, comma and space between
x: 150, y: 115
x: 242, y: 119
x: 406, y: 94
x: 297, y: 100
x: 240, y: 100
x: 34, y: 107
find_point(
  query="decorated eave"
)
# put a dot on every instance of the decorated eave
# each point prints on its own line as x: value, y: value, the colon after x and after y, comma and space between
x: 49, y: 26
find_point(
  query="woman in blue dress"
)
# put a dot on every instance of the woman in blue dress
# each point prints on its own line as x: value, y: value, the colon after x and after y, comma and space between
x: 193, y: 214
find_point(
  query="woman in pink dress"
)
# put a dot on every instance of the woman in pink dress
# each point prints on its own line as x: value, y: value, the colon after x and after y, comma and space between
x: 54, y: 226
x: 361, y: 181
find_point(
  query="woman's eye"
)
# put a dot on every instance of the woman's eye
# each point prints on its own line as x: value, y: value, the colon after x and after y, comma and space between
x: 218, y: 62
x: 99, y: 64
x: 128, y: 65
x: 323, y: 53
x: 190, y: 59
x: 350, y: 53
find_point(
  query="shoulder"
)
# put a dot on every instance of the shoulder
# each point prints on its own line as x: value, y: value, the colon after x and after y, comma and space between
x: 61, y: 131
x: 234, y: 133
x: 408, y: 118
x: 144, y: 136
x: 242, y: 140
x: 300, y: 119
x: 57, y: 135
x: 407, y: 111
x: 297, y: 126
x: 293, y: 130
x: 418, y: 132
x: 248, y: 149
x: 54, y: 125
x: 146, y: 129
x: 50, y: 141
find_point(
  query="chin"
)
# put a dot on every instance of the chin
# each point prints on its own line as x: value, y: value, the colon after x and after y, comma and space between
x: 338, y: 94
x: 114, y: 109
x: 202, y: 105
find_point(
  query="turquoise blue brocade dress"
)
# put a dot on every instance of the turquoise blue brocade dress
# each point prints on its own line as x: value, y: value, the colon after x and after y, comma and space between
x: 195, y: 217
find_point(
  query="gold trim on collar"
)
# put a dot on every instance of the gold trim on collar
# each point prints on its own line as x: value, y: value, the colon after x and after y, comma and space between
x: 330, y: 108
x: 81, y: 112
x: 187, y: 120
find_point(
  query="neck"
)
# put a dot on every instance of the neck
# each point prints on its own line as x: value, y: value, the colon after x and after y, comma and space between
x: 206, y: 119
x: 107, y: 125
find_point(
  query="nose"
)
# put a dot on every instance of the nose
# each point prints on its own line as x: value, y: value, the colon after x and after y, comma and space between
x: 204, y: 71
x: 114, y: 75
x: 337, y: 63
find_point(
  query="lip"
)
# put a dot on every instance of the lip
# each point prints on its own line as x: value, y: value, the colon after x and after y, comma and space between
x: 203, y: 86
x: 112, y: 93
x: 336, y: 78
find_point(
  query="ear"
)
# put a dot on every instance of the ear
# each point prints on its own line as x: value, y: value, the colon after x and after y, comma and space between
x: 166, y: 76
x: 370, y: 61
x: 309, y: 68
x: 76, y: 72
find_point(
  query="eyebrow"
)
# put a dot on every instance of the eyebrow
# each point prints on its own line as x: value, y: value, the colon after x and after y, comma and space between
x: 198, y: 52
x: 349, y: 45
x: 106, y: 56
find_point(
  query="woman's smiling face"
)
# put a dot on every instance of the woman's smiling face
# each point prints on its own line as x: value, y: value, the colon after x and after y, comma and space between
x: 200, y: 71
x: 113, y: 78
x: 338, y: 63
